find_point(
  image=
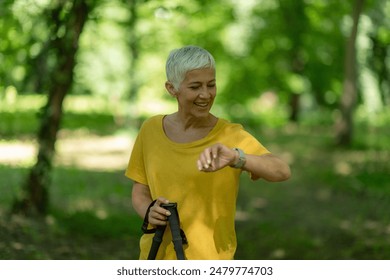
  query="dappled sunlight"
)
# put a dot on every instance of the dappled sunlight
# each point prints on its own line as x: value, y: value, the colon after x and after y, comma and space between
x: 242, y: 216
x: 267, y: 101
x: 17, y: 153
x: 259, y: 203
x: 89, y: 152
x: 278, y: 254
x: 343, y: 168
x: 90, y: 205
x: 366, y: 229
x: 94, y: 152
x: 101, y: 214
x: 352, y: 162
x: 82, y: 205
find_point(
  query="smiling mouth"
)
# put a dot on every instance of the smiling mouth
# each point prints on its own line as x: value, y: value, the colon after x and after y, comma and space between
x: 203, y: 105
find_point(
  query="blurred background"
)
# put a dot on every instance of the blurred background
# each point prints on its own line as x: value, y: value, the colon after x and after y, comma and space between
x: 309, y: 78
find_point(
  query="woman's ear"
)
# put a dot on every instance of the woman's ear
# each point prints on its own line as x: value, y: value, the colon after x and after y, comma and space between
x: 171, y: 89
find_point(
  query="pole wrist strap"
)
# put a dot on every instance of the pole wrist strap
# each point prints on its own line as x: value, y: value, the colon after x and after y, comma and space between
x: 146, y: 220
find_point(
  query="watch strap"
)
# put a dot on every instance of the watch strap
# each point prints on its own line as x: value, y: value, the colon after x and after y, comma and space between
x: 241, y: 159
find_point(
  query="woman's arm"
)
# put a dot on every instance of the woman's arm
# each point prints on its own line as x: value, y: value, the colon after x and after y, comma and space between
x: 141, y: 199
x: 268, y: 166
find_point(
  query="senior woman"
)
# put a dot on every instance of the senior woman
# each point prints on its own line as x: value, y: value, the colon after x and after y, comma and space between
x: 195, y: 159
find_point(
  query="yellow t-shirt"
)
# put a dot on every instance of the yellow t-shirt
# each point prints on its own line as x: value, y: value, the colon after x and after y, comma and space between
x: 206, y: 201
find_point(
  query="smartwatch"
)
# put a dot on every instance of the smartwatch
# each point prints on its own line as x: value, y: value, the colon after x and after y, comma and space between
x: 241, y: 159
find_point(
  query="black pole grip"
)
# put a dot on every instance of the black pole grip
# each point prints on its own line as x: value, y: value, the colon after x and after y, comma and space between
x: 157, y: 239
x: 174, y: 224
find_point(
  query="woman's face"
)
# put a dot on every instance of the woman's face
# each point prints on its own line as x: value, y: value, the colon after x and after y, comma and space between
x: 197, y: 92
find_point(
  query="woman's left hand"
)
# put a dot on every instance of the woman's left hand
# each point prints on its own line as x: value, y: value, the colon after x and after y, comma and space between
x: 216, y: 157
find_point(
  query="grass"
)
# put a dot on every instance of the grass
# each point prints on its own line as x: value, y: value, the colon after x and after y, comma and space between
x: 90, y: 218
x: 335, y: 206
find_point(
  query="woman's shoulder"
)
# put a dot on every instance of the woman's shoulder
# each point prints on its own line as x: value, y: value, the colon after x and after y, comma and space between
x: 152, y: 121
x: 226, y: 128
x: 235, y: 134
x: 226, y: 124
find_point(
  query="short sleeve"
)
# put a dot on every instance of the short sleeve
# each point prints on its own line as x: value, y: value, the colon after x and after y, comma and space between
x: 136, y: 167
x: 250, y: 144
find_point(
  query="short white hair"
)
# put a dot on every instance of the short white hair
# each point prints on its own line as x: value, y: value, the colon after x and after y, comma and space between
x: 188, y: 58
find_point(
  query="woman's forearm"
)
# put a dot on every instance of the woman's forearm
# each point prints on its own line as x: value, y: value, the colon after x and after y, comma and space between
x: 141, y: 198
x: 268, y: 166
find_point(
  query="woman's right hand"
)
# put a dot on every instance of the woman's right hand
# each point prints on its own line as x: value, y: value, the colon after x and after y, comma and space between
x: 158, y: 215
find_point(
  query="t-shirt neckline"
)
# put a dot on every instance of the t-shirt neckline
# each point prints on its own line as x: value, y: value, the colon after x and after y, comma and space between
x: 212, y: 132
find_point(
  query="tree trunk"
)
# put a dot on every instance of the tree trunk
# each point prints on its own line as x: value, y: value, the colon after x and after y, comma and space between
x: 380, y: 53
x: 344, y: 125
x: 295, y: 21
x: 294, y: 107
x: 35, y: 198
x: 133, y: 46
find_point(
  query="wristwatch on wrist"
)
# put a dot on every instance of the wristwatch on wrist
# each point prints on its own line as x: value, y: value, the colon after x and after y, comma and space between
x: 241, y: 159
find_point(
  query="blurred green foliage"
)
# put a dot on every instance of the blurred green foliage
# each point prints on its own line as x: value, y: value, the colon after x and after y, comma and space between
x: 283, y: 47
x: 335, y: 205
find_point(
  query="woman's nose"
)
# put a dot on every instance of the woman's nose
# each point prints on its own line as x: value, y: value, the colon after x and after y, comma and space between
x: 205, y: 92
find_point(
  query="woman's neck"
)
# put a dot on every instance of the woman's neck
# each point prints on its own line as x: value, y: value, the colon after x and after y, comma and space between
x: 191, y: 122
